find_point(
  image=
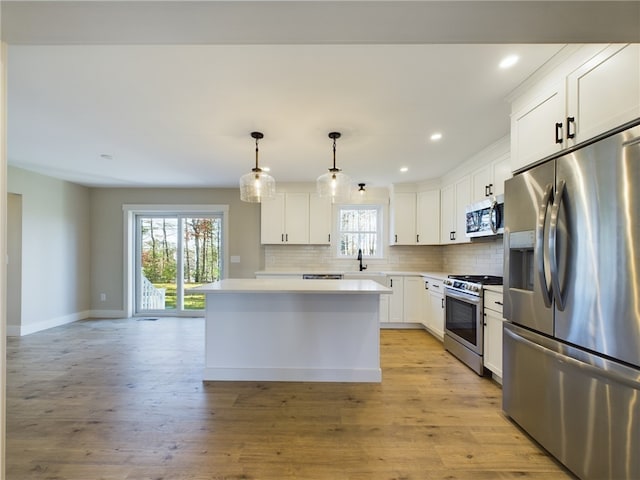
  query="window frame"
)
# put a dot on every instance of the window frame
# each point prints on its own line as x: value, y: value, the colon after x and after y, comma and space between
x: 379, y: 232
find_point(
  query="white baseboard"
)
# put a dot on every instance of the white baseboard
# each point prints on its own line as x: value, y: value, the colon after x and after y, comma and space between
x: 369, y: 375
x: 107, y: 314
x: 21, y: 330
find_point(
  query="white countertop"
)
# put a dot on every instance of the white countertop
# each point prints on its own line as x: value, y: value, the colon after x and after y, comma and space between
x: 292, y: 285
x: 440, y: 275
x: 493, y: 288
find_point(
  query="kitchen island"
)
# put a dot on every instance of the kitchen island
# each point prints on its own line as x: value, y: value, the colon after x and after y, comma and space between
x: 292, y: 330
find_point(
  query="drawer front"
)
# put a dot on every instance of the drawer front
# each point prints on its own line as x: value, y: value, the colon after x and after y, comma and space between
x: 435, y: 284
x: 493, y: 301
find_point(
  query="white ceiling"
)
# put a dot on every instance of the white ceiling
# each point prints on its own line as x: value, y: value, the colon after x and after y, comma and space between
x: 179, y: 112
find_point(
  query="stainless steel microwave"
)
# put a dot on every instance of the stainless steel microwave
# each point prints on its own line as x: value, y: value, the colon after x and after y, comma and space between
x: 486, y: 217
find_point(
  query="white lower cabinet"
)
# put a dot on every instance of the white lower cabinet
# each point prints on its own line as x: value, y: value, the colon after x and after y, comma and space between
x: 412, y: 299
x: 405, y: 303
x: 433, y: 306
x: 396, y: 299
x: 493, y: 323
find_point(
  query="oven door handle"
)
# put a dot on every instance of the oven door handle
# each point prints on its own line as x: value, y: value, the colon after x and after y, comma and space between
x: 461, y: 296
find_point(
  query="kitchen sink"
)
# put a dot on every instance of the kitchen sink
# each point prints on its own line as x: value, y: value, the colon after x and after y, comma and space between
x: 379, y: 277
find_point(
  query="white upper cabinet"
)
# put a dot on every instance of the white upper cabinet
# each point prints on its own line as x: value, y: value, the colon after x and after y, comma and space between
x: 403, y: 219
x: 598, y: 93
x: 285, y: 219
x: 536, y: 129
x: 604, y: 92
x: 489, y: 180
x: 428, y: 217
x: 415, y: 218
x: 319, y: 219
x: 453, y: 200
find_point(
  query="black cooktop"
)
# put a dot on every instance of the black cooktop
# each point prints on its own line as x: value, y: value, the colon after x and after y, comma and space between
x: 483, y: 279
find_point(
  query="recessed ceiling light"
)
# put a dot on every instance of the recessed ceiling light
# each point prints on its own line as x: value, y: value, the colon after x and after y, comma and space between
x: 404, y: 169
x: 436, y: 136
x: 106, y: 156
x: 509, y: 61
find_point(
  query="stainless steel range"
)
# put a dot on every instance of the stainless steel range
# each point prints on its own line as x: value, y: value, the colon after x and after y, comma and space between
x: 464, y: 321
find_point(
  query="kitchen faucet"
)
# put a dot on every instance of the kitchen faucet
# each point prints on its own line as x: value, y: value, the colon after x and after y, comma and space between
x: 362, y: 267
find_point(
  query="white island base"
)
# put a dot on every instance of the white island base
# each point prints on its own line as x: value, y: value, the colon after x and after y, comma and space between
x: 293, y: 330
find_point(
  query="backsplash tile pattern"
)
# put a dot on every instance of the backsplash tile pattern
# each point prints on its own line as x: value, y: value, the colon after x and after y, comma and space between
x: 477, y: 258
x: 484, y: 257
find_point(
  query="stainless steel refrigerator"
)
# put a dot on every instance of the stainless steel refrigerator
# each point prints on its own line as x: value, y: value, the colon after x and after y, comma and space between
x: 571, y: 358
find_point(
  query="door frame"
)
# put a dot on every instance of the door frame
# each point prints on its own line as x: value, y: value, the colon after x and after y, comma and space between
x: 131, y: 211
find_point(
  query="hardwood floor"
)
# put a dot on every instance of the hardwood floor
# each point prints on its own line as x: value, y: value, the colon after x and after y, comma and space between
x: 123, y: 399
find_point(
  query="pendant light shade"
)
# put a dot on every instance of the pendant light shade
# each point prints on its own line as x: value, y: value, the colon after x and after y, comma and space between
x: 334, y: 183
x: 257, y: 185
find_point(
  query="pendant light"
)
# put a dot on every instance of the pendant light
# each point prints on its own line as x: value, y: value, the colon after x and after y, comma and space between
x: 334, y: 183
x: 257, y: 185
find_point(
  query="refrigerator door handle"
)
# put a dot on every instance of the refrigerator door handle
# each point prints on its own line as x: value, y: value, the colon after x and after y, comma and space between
x: 553, y: 243
x: 539, y: 247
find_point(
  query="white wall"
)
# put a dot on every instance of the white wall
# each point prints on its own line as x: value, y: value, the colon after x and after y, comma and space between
x: 107, y: 235
x: 56, y: 261
x: 14, y: 260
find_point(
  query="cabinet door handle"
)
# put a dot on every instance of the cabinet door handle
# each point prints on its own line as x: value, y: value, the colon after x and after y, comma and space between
x: 282, y: 237
x: 571, y: 121
x: 286, y: 237
x: 436, y: 285
x: 442, y: 302
x: 491, y: 189
x: 396, y: 238
x: 391, y: 282
x: 451, y: 237
x: 426, y: 285
x: 498, y: 303
x: 487, y: 190
x: 559, y: 132
x: 418, y: 238
x: 329, y: 238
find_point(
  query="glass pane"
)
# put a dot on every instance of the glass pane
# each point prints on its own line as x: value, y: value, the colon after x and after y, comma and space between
x: 201, y: 258
x: 158, y: 261
x: 358, y: 230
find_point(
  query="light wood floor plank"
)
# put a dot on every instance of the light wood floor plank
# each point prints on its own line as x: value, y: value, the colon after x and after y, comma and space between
x: 123, y: 400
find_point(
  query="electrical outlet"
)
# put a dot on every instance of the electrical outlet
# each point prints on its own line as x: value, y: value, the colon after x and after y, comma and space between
x: 103, y: 297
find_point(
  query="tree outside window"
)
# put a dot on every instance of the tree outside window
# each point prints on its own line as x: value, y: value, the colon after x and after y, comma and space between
x: 359, y: 228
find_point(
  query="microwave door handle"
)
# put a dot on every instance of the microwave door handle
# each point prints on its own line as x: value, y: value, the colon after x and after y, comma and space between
x: 553, y: 244
x: 539, y: 248
x: 492, y: 210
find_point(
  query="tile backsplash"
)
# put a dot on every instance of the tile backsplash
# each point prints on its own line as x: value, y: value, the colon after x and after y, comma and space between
x: 480, y: 257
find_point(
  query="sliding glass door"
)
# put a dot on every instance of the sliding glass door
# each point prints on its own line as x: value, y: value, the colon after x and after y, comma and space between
x: 176, y: 252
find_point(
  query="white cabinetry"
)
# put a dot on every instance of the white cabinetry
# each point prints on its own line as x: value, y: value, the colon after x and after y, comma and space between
x: 412, y: 300
x: 604, y: 92
x: 489, y: 180
x: 405, y: 303
x: 295, y: 219
x: 536, y: 128
x: 415, y: 218
x: 493, y: 332
x: 453, y: 200
x: 320, y: 220
x: 600, y: 92
x: 433, y: 306
x: 396, y: 299
x: 403, y: 219
x: 428, y: 217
